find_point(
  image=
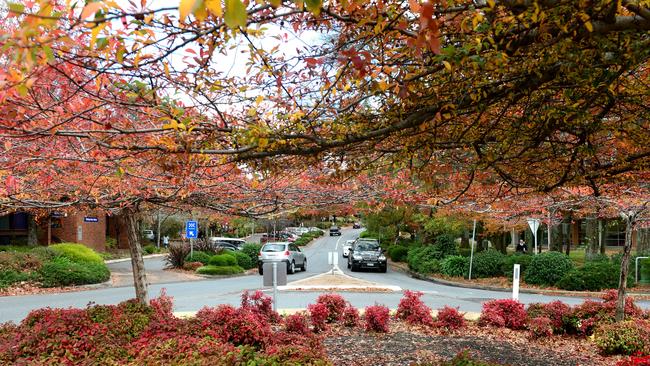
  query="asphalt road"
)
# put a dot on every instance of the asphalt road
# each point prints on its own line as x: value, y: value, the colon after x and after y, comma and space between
x: 193, y: 295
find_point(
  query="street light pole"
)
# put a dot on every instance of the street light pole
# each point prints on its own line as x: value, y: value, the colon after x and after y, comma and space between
x: 471, y: 253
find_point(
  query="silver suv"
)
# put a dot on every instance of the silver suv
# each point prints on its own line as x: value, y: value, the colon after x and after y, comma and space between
x: 288, y: 253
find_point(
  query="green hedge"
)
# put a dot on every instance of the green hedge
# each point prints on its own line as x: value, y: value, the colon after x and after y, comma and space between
x: 198, y: 256
x: 488, y: 264
x: 9, y: 277
x: 150, y: 249
x: 418, y: 255
x: 445, y: 244
x: 219, y: 270
x: 77, y: 253
x: 252, y: 250
x: 398, y: 253
x: 243, y: 260
x: 593, y: 276
x: 548, y: 268
x: 62, y: 271
x: 455, y: 266
x: 523, y: 260
x: 225, y: 259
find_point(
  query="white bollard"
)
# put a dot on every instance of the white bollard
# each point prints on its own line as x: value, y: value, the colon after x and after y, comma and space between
x: 515, y: 282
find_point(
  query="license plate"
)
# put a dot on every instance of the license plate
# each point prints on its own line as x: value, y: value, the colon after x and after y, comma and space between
x: 370, y: 264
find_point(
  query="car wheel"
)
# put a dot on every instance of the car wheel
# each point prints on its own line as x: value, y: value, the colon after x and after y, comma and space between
x: 291, y: 267
x: 353, y: 268
x: 304, y: 266
x: 348, y: 264
x: 259, y: 269
x: 383, y: 269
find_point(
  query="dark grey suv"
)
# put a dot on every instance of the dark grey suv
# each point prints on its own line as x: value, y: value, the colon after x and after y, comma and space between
x: 366, y: 253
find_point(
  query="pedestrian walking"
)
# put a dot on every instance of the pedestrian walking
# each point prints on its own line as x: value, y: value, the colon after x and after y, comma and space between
x: 165, y: 241
x: 521, y: 247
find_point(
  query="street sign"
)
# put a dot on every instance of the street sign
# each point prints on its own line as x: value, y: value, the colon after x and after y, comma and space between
x: 191, y: 230
x: 281, y: 275
x: 534, y: 225
x: 91, y: 219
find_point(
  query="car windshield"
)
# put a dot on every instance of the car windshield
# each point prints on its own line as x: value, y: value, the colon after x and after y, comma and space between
x: 334, y: 228
x: 367, y: 247
x: 273, y: 248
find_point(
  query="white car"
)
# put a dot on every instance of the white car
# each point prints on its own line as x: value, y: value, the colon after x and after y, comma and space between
x: 346, y: 248
x: 148, y: 234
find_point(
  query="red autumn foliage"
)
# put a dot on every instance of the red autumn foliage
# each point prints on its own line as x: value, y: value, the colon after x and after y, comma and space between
x: 318, y: 314
x: 297, y: 323
x: 260, y: 304
x: 335, y: 305
x: 636, y: 360
x: 540, y: 327
x: 413, y: 310
x: 504, y: 313
x: 377, y: 318
x: 351, y: 316
x: 450, y: 318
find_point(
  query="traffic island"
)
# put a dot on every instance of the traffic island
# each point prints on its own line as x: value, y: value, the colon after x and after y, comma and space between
x: 336, y: 280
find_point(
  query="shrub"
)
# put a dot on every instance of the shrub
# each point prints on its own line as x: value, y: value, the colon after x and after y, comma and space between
x: 455, y: 266
x: 450, y: 318
x: 417, y: 256
x: 77, y: 253
x: 625, y: 338
x: 376, y: 318
x: 335, y: 305
x: 260, y: 304
x: 252, y: 251
x: 350, y: 316
x: 10, y: 277
x: 62, y: 271
x: 398, y: 253
x: 430, y: 266
x: 593, y: 276
x: 192, y: 266
x: 635, y: 361
x: 225, y: 259
x: 413, y: 310
x: 503, y: 313
x: 318, y: 314
x: 198, y: 256
x: 523, y: 260
x: 219, y: 270
x: 464, y: 359
x: 297, y: 323
x: 177, y: 254
x: 445, y: 244
x: 548, y: 268
x: 488, y: 264
x: 150, y: 249
x: 540, y: 327
x: 243, y: 260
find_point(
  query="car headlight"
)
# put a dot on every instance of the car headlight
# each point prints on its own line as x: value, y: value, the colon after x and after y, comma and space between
x: 357, y: 257
x: 382, y: 258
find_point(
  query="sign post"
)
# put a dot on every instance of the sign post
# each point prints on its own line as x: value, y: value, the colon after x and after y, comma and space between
x: 191, y: 232
x: 534, y: 225
x: 333, y: 260
x: 515, y: 282
x: 471, y: 253
x: 275, y: 276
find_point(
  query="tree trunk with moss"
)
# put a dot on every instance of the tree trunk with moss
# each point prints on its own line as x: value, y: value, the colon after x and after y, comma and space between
x: 137, y: 262
x: 591, y: 239
x: 32, y: 234
x: 630, y: 223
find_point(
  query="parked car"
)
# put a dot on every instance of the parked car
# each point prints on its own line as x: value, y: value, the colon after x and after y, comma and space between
x: 356, y: 225
x: 346, y: 248
x: 225, y: 245
x: 284, y: 252
x: 148, y: 234
x: 366, y: 253
x: 234, y: 241
x: 335, y: 231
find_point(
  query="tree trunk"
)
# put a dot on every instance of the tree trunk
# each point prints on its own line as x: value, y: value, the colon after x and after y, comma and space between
x: 32, y: 235
x: 591, y: 239
x: 630, y: 221
x: 137, y: 262
x: 601, y: 237
x: 643, y: 241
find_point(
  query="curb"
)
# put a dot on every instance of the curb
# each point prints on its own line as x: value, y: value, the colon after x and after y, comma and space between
x: 128, y: 259
x: 523, y: 290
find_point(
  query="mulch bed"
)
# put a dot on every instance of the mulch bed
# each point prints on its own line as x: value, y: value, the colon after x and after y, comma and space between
x: 406, y: 345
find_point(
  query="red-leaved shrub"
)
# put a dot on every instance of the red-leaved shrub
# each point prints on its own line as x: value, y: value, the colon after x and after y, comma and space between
x: 637, y: 360
x: 318, y: 314
x: 450, y: 318
x: 297, y: 323
x: 296, y: 349
x: 504, y: 313
x: 376, y: 318
x: 556, y: 311
x: 413, y: 310
x: 350, y: 316
x: 540, y: 327
x: 335, y: 305
x: 260, y: 304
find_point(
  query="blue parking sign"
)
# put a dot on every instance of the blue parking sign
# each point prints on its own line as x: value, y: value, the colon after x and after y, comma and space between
x: 191, y: 230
